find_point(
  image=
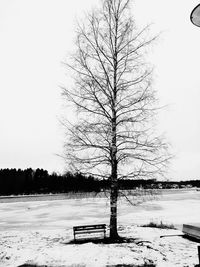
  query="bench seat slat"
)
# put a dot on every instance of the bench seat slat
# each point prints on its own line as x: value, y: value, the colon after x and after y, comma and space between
x: 89, y: 226
x: 81, y: 229
x: 91, y: 231
x: 88, y: 232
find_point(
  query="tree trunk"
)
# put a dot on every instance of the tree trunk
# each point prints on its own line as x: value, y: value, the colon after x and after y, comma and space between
x: 113, y: 209
x: 114, y: 183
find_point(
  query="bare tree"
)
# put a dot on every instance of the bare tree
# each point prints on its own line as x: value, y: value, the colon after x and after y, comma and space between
x: 115, y: 102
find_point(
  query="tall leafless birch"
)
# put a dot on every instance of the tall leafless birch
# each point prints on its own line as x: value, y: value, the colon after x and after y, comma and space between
x: 113, y: 136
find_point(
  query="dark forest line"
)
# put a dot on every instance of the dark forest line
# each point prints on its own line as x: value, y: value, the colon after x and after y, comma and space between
x: 39, y: 181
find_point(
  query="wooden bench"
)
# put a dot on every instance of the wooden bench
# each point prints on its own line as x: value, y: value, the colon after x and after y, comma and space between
x: 192, y: 231
x: 89, y: 229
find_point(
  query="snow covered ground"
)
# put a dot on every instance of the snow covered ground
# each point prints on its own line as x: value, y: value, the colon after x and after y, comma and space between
x: 39, y: 232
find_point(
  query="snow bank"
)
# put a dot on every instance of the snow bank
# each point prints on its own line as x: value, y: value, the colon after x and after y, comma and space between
x: 51, y: 248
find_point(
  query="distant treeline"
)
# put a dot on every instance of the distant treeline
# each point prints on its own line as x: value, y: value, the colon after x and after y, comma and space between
x: 29, y: 181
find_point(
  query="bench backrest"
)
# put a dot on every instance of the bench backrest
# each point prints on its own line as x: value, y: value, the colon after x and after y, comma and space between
x: 89, y: 227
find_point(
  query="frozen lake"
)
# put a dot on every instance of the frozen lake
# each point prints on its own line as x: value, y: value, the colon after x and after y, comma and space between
x: 58, y: 211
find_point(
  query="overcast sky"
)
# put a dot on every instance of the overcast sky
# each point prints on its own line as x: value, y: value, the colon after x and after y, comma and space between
x: 36, y: 35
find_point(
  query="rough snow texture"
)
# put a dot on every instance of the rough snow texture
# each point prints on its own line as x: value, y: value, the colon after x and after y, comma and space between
x: 39, y: 233
x: 51, y: 248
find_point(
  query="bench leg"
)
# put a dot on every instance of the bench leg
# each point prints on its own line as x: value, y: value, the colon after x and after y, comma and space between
x: 74, y: 237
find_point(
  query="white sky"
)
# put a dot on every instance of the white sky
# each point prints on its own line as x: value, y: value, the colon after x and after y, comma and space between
x: 36, y: 35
